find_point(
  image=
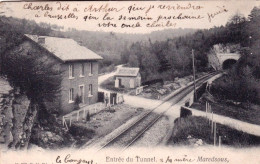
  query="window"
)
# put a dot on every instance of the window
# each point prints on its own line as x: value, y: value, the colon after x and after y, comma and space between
x: 90, y: 93
x: 71, y: 71
x: 91, y: 69
x: 82, y: 70
x: 71, y: 95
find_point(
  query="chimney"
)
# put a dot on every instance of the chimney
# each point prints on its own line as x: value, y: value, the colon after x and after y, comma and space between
x: 41, y: 40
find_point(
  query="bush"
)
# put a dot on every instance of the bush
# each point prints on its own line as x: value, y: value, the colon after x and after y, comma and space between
x: 110, y: 85
x: 196, y: 127
x: 77, y: 130
x: 241, y: 83
x: 109, y: 68
x: 237, y: 88
x: 150, y: 82
x: 77, y: 101
x: 185, y: 112
x: 88, y: 117
x: 81, y: 134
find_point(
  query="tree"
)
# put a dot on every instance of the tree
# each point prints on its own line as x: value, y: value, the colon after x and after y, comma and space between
x: 136, y: 54
x: 150, y: 65
x: 77, y: 101
x: 254, y: 14
x: 38, y: 80
x: 28, y: 71
x: 237, y: 19
x: 160, y: 50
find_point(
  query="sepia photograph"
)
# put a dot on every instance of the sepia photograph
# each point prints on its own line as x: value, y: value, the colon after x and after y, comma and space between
x: 130, y: 82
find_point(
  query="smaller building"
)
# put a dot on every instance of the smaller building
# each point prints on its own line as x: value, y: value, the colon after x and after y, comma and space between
x: 128, y: 78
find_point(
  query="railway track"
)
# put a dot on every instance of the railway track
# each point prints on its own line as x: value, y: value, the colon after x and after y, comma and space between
x: 131, y: 134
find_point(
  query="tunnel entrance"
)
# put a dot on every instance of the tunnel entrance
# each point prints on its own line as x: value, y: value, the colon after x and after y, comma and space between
x: 227, y: 64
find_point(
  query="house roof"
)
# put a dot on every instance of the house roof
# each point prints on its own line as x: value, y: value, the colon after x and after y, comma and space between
x: 65, y: 49
x: 126, y: 71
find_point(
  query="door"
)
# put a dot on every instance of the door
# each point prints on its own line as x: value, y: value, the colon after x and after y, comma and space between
x: 132, y: 83
x: 81, y: 93
x: 120, y: 82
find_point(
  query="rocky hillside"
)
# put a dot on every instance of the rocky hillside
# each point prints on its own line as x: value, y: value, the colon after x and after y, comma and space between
x: 20, y: 126
x: 13, y: 108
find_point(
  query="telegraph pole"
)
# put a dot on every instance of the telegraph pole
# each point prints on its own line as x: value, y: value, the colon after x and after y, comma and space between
x: 194, y: 79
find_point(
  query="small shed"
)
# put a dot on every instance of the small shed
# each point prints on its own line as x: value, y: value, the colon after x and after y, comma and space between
x: 127, y: 77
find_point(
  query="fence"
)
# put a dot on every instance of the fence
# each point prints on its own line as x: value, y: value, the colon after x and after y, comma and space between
x: 140, y: 89
x: 91, y: 109
x: 82, y: 113
x: 120, y: 98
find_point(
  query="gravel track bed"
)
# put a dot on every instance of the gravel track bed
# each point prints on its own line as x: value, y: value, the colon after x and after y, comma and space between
x: 154, y: 135
x: 131, y: 133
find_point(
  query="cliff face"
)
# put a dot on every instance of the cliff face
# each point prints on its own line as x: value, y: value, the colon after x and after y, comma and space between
x: 17, y: 117
x: 20, y: 127
x: 6, y: 121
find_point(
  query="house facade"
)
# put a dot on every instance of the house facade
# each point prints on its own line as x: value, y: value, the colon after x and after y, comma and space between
x: 79, y: 79
x: 127, y: 77
x: 79, y: 68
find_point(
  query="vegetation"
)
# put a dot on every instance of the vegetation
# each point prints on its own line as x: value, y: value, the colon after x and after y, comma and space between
x: 109, y: 84
x: 199, y: 128
x: 242, y: 82
x: 81, y: 133
x: 38, y: 79
x: 157, y: 55
x: 108, y: 64
x: 229, y: 109
x: 27, y: 73
x: 172, y: 58
x: 109, y: 45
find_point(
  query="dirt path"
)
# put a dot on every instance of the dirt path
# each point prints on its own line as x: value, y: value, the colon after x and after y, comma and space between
x: 106, y: 76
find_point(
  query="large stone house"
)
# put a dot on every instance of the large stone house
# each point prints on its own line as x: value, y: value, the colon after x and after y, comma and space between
x: 127, y: 77
x: 79, y: 67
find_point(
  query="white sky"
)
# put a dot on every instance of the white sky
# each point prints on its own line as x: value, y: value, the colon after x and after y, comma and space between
x: 15, y: 9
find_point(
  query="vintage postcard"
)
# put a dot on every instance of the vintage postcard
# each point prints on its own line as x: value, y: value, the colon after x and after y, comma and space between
x: 121, y: 82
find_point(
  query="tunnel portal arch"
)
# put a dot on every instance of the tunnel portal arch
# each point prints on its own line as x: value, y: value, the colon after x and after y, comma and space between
x: 227, y: 64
